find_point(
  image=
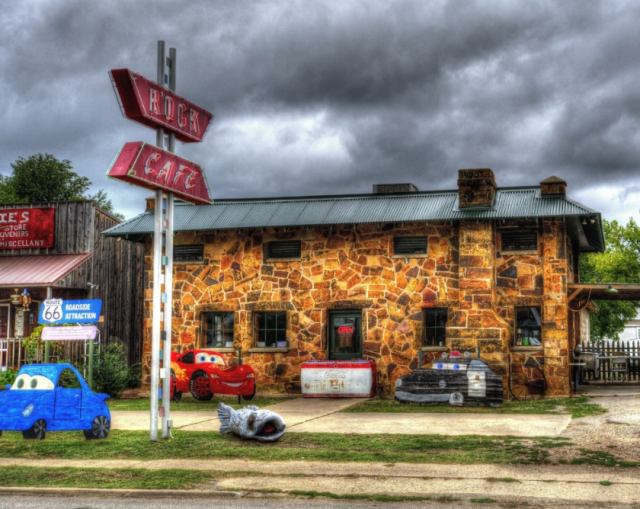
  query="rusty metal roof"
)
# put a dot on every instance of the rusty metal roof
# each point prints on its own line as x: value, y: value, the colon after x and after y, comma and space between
x: 521, y: 202
x: 44, y: 270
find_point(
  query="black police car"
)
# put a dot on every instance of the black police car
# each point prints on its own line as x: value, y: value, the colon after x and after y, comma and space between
x: 453, y: 380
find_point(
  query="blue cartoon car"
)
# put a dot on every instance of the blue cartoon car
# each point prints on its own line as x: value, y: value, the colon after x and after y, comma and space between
x: 53, y: 397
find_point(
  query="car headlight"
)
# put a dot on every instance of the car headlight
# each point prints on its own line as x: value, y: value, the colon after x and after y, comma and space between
x: 27, y: 410
x: 399, y: 382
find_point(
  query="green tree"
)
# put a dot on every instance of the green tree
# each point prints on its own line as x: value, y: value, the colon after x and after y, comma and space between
x: 43, y: 178
x: 620, y: 263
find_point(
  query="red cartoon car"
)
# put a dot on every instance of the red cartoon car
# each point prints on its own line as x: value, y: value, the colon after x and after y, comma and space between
x: 205, y: 373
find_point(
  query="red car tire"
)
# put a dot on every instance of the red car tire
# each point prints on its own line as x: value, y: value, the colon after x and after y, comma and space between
x: 200, y: 387
x: 250, y: 396
x: 175, y: 394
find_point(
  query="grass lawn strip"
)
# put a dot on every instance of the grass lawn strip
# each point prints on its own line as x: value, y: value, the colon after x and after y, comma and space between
x: 437, y: 449
x: 188, y: 404
x: 577, y: 407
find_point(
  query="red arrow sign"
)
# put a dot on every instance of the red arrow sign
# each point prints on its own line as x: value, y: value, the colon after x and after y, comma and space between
x: 153, y: 105
x: 148, y: 166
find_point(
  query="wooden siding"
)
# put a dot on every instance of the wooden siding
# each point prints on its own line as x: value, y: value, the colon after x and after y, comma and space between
x: 116, y: 266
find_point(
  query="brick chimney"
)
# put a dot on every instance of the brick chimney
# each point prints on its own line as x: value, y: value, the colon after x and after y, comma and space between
x: 553, y: 186
x: 476, y: 188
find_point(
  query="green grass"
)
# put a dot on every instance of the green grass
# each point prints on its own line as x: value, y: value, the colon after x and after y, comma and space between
x: 193, y: 445
x: 577, y: 407
x: 606, y: 483
x: 124, y: 478
x: 482, y: 500
x: 189, y: 404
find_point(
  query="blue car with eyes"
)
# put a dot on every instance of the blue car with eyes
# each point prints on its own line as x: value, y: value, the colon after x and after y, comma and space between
x: 53, y: 397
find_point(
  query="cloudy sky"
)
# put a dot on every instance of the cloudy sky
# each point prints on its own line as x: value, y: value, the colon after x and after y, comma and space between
x: 330, y: 97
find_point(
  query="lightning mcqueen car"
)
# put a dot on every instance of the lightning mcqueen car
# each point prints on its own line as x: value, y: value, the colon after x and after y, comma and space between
x: 206, y: 372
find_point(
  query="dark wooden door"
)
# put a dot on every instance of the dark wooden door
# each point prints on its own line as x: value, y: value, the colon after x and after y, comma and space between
x: 345, y: 335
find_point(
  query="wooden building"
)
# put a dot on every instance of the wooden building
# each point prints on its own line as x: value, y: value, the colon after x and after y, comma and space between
x: 58, y: 247
x: 480, y: 268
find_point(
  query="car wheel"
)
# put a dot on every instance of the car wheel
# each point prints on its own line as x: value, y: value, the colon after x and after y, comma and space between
x: 250, y: 396
x: 37, y: 431
x: 175, y: 395
x: 99, y: 428
x: 456, y: 399
x: 200, y: 387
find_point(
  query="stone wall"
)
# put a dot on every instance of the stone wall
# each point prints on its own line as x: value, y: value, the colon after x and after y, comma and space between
x: 353, y: 267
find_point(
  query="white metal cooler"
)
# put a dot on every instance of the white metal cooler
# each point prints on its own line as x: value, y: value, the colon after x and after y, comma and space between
x: 339, y: 379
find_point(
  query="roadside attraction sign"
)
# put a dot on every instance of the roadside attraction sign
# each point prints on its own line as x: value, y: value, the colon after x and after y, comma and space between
x: 146, y: 165
x: 59, y: 311
x: 155, y: 106
x: 30, y: 228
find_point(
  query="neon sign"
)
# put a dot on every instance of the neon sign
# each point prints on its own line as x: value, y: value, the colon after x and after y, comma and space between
x: 343, y: 329
x: 148, y: 166
x: 153, y: 105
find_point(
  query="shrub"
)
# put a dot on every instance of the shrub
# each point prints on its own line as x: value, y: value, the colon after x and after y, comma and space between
x: 111, y: 374
x: 8, y: 377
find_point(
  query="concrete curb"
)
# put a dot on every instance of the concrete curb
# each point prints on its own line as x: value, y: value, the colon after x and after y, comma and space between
x: 116, y: 493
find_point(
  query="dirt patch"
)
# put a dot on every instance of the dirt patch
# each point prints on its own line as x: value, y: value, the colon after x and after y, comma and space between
x: 616, y: 433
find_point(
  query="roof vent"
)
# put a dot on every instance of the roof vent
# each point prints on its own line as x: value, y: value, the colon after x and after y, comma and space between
x: 553, y: 186
x: 394, y: 188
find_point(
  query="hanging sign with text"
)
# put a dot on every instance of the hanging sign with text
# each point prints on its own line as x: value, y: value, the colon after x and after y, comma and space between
x: 26, y: 228
x: 150, y: 104
x: 58, y: 311
x: 73, y: 333
x: 148, y: 166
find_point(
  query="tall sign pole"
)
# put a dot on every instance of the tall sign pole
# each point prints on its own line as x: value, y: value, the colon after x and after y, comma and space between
x: 168, y: 276
x: 154, y: 105
x: 157, y: 274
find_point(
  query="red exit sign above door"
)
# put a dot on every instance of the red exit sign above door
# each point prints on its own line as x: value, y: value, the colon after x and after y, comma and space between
x: 153, y: 105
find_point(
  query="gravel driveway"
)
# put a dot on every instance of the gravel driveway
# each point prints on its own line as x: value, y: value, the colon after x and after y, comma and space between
x: 616, y: 432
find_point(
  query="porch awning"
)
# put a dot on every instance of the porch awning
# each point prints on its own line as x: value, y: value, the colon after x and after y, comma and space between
x: 603, y: 291
x: 44, y: 270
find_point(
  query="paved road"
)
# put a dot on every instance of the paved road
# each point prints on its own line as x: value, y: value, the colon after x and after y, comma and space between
x: 126, y: 503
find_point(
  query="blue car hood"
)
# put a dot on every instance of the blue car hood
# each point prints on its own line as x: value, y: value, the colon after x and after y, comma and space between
x: 15, y: 401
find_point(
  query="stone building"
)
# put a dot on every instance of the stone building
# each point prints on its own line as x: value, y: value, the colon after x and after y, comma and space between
x: 379, y: 276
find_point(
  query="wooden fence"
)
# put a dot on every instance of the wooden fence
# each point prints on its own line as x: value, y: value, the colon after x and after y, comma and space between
x: 627, y: 349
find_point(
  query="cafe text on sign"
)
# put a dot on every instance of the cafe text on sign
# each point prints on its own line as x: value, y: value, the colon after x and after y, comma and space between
x: 153, y: 105
x: 148, y: 166
x: 26, y: 228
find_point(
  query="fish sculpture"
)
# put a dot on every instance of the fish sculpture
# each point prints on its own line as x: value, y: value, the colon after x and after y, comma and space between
x: 251, y: 423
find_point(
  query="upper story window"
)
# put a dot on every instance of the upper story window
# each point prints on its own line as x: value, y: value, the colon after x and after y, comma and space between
x: 528, y: 327
x: 271, y: 329
x: 217, y: 330
x: 521, y: 240
x: 409, y: 245
x: 435, y: 332
x: 188, y: 253
x: 284, y: 249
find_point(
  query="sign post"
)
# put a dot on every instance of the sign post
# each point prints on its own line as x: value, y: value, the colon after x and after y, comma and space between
x: 156, y: 106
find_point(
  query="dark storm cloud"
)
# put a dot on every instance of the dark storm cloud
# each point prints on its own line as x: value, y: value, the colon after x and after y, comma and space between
x: 333, y: 96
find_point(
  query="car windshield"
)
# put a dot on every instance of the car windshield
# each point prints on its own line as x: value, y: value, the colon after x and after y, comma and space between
x: 209, y: 357
x: 25, y: 382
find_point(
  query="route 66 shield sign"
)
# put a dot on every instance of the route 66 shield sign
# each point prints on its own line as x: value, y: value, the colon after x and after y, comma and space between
x: 51, y: 310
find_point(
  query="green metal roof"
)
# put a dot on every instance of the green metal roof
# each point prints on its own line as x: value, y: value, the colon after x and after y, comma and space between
x: 510, y: 203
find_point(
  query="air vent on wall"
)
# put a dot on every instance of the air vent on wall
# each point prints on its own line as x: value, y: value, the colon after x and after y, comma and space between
x: 285, y: 249
x: 409, y: 245
x: 519, y: 241
x: 190, y: 253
